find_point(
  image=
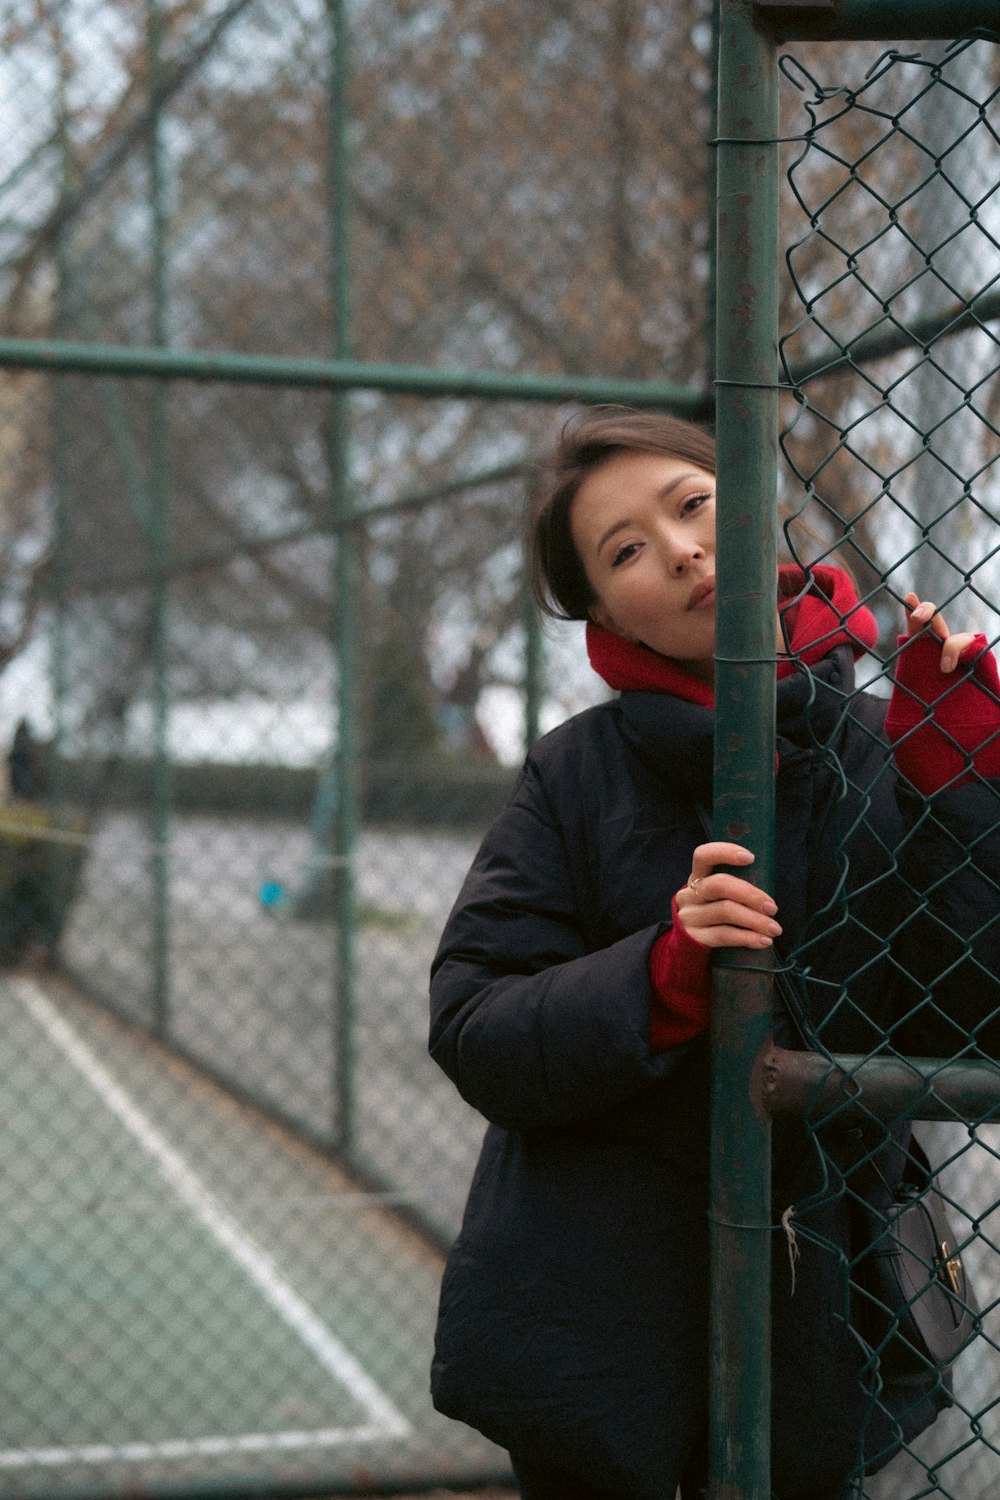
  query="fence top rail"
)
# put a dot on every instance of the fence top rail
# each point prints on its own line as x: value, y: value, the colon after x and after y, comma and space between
x: 860, y: 20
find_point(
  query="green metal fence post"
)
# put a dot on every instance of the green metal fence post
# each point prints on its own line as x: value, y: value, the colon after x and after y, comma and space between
x: 159, y: 542
x: 346, y: 589
x: 744, y: 745
x: 59, y: 637
x: 711, y: 168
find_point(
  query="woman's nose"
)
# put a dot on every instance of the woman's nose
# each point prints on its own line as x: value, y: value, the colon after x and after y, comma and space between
x: 681, y: 553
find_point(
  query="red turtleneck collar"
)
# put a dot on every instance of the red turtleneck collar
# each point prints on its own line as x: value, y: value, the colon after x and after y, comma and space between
x: 819, y: 610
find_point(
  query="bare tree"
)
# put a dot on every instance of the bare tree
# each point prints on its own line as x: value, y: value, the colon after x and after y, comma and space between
x: 530, y: 192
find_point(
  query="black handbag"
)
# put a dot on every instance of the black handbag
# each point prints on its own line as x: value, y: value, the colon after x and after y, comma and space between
x: 910, y: 1296
x: 912, y: 1302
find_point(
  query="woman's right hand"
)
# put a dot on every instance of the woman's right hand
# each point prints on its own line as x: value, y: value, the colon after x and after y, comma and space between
x: 722, y: 910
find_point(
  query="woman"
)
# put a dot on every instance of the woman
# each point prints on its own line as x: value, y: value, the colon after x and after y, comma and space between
x: 570, y: 992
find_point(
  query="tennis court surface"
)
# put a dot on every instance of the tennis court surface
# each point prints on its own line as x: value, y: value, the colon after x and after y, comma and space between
x: 193, y: 1298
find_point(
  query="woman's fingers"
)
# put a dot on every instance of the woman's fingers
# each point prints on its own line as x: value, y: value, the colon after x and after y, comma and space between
x: 921, y: 614
x: 718, y: 852
x: 952, y: 649
x: 707, y: 883
x: 720, y: 888
x: 720, y: 909
x: 714, y: 922
x: 730, y: 937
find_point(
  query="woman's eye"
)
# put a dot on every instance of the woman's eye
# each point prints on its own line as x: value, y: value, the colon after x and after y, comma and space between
x: 627, y: 550
x: 693, y: 502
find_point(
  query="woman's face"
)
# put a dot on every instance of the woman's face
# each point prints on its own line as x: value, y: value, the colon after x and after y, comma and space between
x: 644, y: 528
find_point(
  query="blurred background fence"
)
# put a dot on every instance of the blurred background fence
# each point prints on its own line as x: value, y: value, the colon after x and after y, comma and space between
x: 270, y: 281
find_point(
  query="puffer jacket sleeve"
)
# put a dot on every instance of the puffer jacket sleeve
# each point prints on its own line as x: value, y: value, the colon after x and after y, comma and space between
x: 944, y: 732
x: 533, y: 1027
x: 950, y: 859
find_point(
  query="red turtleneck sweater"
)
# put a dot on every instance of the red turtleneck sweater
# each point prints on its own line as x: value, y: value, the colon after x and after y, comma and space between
x: 944, y: 730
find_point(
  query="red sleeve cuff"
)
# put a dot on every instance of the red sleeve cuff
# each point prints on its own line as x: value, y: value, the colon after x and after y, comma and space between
x: 680, y: 974
x: 944, y: 728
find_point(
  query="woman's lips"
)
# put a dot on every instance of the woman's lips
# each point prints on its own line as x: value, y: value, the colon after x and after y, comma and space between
x: 702, y: 594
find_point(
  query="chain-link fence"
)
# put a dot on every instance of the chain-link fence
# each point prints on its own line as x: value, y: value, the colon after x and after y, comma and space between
x: 894, y: 466
x: 261, y: 739
x: 269, y: 652
x: 888, y: 421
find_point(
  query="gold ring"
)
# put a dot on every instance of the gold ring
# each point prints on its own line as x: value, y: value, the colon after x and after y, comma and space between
x: 694, y: 883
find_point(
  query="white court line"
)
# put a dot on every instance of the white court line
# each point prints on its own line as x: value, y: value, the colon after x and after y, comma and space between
x: 384, y: 1420
x: 211, y: 1447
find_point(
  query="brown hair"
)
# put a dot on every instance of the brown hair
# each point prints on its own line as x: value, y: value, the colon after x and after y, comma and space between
x: 557, y: 576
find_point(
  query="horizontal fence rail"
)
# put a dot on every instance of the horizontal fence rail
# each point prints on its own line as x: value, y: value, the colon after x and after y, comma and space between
x: 344, y: 375
x: 886, y: 1088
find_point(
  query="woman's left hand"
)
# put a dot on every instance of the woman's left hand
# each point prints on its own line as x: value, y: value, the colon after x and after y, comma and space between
x: 922, y: 615
x: 719, y: 909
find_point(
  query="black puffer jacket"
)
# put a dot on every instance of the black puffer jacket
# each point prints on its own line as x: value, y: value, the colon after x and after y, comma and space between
x: 573, y: 1311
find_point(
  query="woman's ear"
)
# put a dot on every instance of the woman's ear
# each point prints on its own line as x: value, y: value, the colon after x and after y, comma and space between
x: 600, y: 616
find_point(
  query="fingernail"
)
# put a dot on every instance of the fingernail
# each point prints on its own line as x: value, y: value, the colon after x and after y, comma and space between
x: 774, y: 929
x: 770, y: 908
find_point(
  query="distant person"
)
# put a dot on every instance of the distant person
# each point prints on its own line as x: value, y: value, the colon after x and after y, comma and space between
x: 570, y: 994
x: 24, y: 761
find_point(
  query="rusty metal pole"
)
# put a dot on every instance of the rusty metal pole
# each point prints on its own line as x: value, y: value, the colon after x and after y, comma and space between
x: 746, y: 409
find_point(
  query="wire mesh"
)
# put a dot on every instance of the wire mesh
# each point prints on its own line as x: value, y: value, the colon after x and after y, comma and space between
x: 893, y: 236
